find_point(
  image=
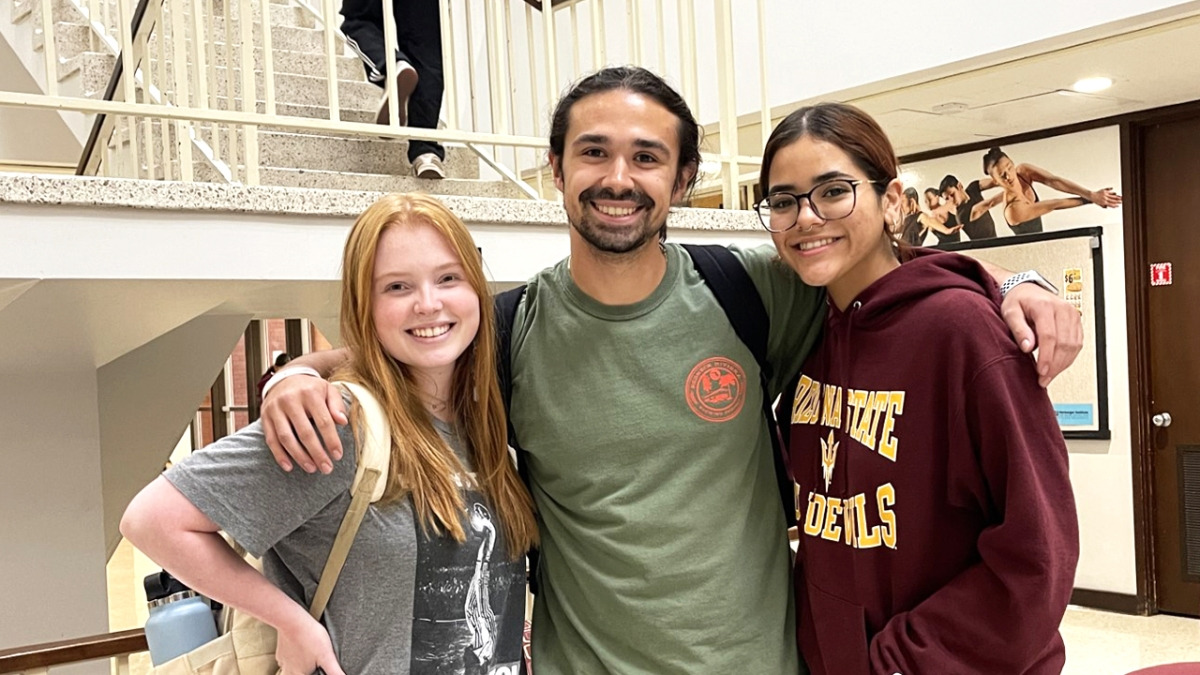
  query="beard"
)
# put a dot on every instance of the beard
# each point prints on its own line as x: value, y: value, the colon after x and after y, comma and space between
x: 620, y: 240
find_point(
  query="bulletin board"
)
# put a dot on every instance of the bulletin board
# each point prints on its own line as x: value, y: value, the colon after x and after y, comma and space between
x: 1073, y: 261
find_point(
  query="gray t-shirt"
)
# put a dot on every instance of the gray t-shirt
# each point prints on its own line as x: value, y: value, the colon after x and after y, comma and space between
x: 405, y: 602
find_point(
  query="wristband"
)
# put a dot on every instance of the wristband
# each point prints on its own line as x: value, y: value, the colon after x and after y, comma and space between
x: 1028, y: 276
x: 286, y: 373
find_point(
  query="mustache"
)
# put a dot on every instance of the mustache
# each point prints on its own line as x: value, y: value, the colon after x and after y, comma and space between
x: 635, y: 196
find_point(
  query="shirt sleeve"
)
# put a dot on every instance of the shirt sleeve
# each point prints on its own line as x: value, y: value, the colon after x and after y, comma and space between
x: 974, y: 192
x: 1001, y: 615
x: 796, y: 310
x: 237, y: 484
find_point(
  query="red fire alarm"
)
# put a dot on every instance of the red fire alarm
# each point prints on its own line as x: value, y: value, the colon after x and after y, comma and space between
x: 1160, y: 274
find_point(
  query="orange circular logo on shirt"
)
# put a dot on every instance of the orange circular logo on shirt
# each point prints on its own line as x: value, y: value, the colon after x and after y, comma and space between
x: 716, y: 389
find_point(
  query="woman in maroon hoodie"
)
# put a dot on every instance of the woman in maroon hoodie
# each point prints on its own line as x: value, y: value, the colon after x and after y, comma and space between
x: 937, y: 524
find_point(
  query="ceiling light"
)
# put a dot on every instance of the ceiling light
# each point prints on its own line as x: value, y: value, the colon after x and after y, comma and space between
x: 1091, y: 85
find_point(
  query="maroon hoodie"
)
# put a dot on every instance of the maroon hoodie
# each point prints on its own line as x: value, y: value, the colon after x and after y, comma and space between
x: 937, y: 524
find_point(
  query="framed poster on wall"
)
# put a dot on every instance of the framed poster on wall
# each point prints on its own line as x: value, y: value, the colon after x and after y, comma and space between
x: 1073, y: 260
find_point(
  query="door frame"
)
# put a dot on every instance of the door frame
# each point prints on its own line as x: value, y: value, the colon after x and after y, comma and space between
x: 1137, y: 284
x: 1138, y: 323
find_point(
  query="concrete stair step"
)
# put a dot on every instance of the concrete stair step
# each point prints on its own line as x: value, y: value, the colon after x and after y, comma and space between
x: 357, y: 155
x: 283, y: 39
x: 321, y: 112
x: 62, y: 11
x: 289, y: 151
x: 295, y: 63
x: 305, y: 90
x: 94, y: 69
x: 290, y: 38
x: 303, y: 110
x: 281, y: 15
x: 70, y: 40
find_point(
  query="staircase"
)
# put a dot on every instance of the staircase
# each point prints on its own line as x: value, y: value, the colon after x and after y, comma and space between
x: 287, y: 157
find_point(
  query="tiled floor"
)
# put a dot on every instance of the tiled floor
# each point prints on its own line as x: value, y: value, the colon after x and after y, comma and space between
x: 1102, y: 643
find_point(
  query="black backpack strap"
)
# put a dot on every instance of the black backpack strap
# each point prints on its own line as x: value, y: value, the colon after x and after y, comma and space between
x: 738, y: 296
x: 506, y: 305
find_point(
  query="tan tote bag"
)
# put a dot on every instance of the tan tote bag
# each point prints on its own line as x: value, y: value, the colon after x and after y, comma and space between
x: 245, y: 645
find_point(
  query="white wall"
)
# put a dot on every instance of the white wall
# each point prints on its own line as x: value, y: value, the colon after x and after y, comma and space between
x: 1101, y: 471
x: 52, y: 551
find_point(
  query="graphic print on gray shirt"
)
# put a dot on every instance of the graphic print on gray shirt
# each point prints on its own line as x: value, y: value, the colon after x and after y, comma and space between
x: 406, y: 602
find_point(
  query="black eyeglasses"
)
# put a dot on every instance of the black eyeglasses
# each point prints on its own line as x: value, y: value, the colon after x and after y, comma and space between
x: 831, y: 200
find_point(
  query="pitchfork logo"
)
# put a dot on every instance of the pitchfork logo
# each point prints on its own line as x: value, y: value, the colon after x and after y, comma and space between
x: 716, y: 389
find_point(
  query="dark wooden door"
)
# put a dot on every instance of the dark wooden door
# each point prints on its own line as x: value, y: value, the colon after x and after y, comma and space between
x: 1171, y: 199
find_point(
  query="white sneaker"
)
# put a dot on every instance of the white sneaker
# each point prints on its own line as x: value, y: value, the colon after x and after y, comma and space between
x: 406, y: 82
x: 428, y: 166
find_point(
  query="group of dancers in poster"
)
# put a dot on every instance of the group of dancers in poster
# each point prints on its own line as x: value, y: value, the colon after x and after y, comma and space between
x: 950, y: 210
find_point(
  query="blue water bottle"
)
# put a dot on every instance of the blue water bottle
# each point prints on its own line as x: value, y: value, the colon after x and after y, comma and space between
x: 180, y: 620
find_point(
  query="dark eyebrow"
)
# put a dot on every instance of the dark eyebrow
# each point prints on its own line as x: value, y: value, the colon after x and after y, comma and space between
x: 601, y: 139
x: 591, y: 139
x: 828, y: 175
x: 653, y: 145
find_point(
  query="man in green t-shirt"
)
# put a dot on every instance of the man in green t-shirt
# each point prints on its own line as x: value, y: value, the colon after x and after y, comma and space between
x: 663, y: 544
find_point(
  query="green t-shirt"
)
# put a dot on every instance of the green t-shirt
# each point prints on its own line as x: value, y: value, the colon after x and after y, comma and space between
x: 663, y: 542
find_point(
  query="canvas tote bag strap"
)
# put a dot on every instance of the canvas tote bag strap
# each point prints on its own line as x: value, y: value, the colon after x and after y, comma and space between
x: 369, y: 482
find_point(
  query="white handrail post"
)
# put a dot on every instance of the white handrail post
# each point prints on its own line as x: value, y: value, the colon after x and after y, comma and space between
x: 533, y: 86
x: 764, y: 99
x: 164, y: 125
x: 183, y: 144
x: 599, y: 51
x: 574, y: 42
x: 48, y: 48
x: 231, y: 130
x: 268, y: 59
x: 510, y: 92
x: 687, y: 54
x: 249, y: 92
x: 662, y: 43
x: 449, y: 69
x: 128, y: 71
x: 634, y: 16
x: 471, y: 91
x: 331, y: 83
x: 491, y: 31
x: 727, y: 97
x: 208, y: 10
x: 391, y: 68
x: 551, y: 47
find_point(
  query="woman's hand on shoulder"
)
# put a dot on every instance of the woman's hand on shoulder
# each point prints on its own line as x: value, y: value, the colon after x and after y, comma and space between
x: 1043, y: 321
x: 304, y: 648
x: 299, y: 419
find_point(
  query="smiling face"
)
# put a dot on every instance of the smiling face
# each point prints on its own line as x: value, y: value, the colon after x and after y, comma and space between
x: 844, y: 255
x: 426, y: 313
x: 619, y: 170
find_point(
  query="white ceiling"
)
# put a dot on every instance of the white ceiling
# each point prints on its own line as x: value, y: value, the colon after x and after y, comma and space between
x: 1151, y: 67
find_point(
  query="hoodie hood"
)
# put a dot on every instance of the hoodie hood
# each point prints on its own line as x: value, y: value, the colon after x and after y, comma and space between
x: 927, y: 272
